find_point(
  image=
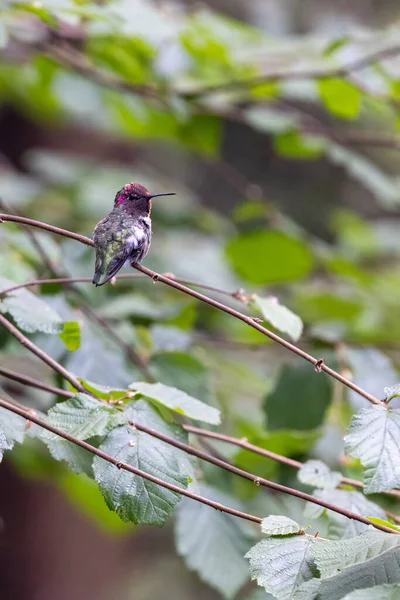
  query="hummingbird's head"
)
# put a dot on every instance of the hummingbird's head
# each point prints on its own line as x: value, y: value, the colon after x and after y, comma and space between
x: 135, y: 198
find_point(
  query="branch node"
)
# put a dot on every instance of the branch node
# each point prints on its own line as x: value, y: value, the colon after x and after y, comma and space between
x: 155, y: 278
x: 257, y: 481
x: 257, y: 320
x: 119, y: 465
x: 319, y: 364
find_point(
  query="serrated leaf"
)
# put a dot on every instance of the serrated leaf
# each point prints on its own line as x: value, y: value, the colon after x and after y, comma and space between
x: 71, y: 335
x: 133, y: 498
x: 78, y: 459
x: 212, y: 543
x: 178, y: 401
x: 374, y: 437
x: 83, y: 417
x: 387, y: 591
x: 333, y: 556
x: 279, y: 525
x: 279, y: 316
x: 28, y: 311
x: 340, y: 97
x: 391, y: 392
x: 281, y: 565
x: 382, y: 569
x: 339, y: 525
x: 12, y: 429
x: 318, y: 474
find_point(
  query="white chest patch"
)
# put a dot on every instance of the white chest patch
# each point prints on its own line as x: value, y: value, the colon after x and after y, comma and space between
x: 135, y: 238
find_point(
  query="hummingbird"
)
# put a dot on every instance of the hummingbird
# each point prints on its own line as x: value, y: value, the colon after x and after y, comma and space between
x: 124, y: 235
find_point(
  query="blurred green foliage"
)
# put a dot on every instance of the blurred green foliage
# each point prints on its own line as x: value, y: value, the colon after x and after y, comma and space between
x: 106, y: 93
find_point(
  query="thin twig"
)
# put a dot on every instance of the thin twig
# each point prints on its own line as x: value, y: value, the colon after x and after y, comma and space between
x: 26, y: 343
x: 26, y: 414
x: 35, y: 383
x: 67, y: 280
x: 318, y: 363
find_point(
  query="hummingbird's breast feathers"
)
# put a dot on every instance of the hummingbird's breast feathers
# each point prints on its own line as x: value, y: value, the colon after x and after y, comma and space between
x: 118, y: 238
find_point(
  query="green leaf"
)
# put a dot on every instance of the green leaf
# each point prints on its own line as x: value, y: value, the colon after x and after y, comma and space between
x: 78, y: 459
x: 133, y: 498
x: 384, y: 522
x: 332, y: 557
x: 321, y: 306
x: 178, y: 401
x: 12, y: 429
x: 279, y: 316
x: 28, y: 311
x: 374, y: 437
x: 382, y: 569
x: 281, y: 565
x: 292, y: 144
x: 391, y: 392
x: 339, y: 525
x: 387, y: 591
x: 300, y: 399
x: 279, y: 525
x: 340, y: 97
x: 71, y: 335
x: 318, y: 474
x: 213, y: 543
x: 83, y: 417
x: 263, y: 257
x: 103, y: 391
x: 184, y: 371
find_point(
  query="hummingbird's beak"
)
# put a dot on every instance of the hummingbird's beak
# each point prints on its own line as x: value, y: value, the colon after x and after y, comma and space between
x: 156, y: 195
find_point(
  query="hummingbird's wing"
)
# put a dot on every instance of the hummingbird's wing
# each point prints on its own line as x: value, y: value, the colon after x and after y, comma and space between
x: 113, y: 249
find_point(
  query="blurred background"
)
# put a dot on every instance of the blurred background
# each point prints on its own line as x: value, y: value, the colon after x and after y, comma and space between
x: 276, y: 122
